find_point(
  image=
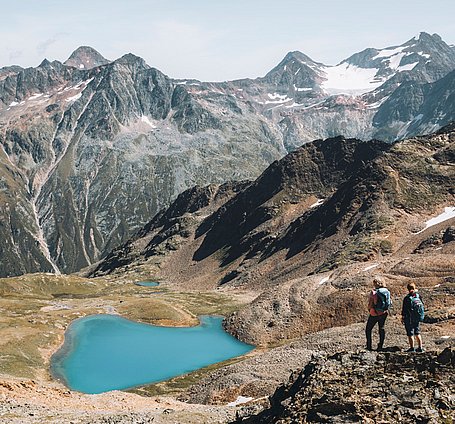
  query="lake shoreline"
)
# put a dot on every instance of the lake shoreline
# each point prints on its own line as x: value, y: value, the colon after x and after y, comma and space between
x: 209, y: 326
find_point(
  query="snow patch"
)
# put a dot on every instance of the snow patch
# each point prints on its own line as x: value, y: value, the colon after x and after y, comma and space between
x: 370, y: 267
x: 276, y: 96
x: 12, y: 104
x: 425, y: 55
x: 318, y: 203
x: 449, y: 212
x: 394, y: 61
x: 74, y: 98
x: 350, y: 79
x: 378, y: 103
x: 389, y: 52
x: 81, y: 66
x: 408, y: 67
x: 302, y: 88
x: 295, y: 105
x: 240, y: 400
x: 324, y: 280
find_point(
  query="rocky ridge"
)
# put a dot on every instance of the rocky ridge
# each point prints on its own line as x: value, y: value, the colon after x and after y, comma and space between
x: 326, y: 204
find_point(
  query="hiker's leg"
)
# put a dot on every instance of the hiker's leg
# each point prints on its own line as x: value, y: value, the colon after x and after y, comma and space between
x: 417, y: 335
x: 419, y: 341
x: 370, y: 324
x: 381, y: 324
x: 416, y: 332
x: 409, y: 333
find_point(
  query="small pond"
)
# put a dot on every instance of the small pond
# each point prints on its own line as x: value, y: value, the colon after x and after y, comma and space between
x: 107, y: 352
x: 147, y: 283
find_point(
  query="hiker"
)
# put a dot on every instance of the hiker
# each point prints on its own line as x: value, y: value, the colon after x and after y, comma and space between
x: 412, y: 315
x: 378, y: 306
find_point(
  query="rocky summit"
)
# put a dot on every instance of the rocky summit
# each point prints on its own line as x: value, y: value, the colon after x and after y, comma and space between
x: 86, y: 57
x: 92, y: 148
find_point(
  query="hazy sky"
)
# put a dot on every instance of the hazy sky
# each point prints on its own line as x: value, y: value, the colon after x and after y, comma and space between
x: 214, y: 40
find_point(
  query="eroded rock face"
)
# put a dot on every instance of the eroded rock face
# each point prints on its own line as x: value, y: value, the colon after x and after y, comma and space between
x: 366, y: 387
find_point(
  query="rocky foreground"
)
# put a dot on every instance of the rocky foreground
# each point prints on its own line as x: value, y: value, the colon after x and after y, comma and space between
x: 366, y: 387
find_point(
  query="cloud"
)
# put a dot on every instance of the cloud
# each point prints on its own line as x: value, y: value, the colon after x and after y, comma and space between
x: 42, y: 47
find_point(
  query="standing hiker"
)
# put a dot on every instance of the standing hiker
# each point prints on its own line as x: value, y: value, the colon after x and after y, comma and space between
x: 378, y: 306
x: 412, y: 315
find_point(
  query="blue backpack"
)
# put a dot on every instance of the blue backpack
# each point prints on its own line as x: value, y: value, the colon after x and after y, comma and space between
x: 417, y: 308
x: 383, y: 301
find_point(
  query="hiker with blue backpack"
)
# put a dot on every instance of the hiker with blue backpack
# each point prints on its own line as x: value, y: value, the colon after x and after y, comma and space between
x: 412, y: 314
x: 378, y: 305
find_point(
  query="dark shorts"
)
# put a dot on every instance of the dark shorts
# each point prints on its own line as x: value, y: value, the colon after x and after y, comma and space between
x: 412, y: 328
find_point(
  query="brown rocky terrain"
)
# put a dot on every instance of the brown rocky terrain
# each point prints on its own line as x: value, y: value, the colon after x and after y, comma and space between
x: 289, y: 259
x: 367, y: 387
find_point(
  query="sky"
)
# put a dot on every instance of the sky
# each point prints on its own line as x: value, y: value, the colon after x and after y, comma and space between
x: 214, y: 40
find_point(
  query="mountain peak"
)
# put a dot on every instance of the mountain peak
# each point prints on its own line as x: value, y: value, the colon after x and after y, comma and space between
x: 424, y: 36
x: 131, y: 59
x: 297, y: 56
x: 85, y: 57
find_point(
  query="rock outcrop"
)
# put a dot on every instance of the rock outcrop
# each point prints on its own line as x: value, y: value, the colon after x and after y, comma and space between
x: 366, y: 387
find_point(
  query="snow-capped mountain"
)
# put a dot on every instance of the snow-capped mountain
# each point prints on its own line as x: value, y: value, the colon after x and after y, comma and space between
x: 317, y: 100
x: 91, y: 149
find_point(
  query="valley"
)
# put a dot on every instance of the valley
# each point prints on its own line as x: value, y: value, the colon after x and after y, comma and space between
x: 288, y: 259
x: 249, y: 212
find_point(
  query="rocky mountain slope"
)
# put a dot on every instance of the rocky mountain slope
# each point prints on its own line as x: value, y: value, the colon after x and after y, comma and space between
x: 88, y: 155
x: 91, y: 148
x: 326, y: 204
x: 305, y: 237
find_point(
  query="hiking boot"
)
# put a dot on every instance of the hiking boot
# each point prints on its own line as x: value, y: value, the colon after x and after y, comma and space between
x: 411, y: 349
x: 420, y: 349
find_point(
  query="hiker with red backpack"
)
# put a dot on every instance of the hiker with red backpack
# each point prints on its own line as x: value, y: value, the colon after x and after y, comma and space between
x: 412, y: 314
x: 378, y: 305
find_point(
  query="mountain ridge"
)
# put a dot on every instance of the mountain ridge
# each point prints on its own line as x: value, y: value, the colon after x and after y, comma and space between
x: 67, y: 133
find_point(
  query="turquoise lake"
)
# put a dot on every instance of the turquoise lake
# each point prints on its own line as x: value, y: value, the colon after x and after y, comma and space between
x: 107, y: 352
